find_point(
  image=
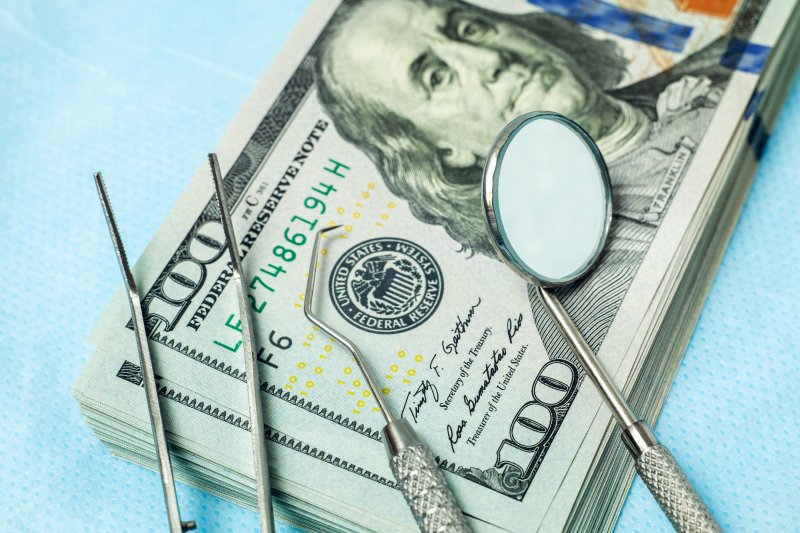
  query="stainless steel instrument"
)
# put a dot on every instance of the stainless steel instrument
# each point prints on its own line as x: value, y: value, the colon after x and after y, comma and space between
x: 547, y: 203
x: 430, y: 499
x: 266, y: 520
x: 176, y: 525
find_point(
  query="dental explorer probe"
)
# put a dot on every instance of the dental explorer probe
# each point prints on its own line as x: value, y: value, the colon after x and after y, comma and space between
x: 430, y: 499
x: 559, y: 240
x: 176, y: 525
x: 266, y: 520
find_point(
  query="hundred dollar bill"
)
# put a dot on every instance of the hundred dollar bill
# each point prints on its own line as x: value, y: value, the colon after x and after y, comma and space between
x: 378, y: 115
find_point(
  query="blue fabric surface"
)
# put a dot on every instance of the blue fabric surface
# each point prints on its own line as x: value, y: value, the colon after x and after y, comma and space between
x: 143, y: 90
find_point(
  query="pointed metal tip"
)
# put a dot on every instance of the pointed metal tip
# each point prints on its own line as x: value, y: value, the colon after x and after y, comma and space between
x: 331, y: 228
x: 99, y: 182
x: 312, y: 270
x: 216, y: 172
x: 213, y: 162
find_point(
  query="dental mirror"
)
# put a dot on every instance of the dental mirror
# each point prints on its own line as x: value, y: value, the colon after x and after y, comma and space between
x: 548, y: 198
x: 547, y: 206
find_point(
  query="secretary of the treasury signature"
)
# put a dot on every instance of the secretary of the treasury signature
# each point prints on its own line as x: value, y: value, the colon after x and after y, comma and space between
x: 416, y: 401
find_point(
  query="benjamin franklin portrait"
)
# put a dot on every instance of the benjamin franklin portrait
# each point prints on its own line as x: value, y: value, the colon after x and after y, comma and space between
x: 424, y: 86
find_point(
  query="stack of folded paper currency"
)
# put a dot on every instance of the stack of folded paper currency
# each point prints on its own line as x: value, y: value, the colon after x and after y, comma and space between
x: 378, y: 115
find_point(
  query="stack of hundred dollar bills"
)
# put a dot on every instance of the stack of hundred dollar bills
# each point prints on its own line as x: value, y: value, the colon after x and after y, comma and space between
x: 378, y: 115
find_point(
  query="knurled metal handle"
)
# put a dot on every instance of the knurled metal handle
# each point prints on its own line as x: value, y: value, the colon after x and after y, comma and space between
x: 432, y: 503
x: 673, y: 491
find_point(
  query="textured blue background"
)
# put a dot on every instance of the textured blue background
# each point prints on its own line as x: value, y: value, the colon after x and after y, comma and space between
x: 142, y: 91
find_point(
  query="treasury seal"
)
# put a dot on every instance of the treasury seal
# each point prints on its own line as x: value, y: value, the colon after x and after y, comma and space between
x: 386, y: 285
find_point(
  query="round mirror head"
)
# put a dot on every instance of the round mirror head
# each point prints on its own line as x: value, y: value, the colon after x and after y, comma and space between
x: 547, y: 198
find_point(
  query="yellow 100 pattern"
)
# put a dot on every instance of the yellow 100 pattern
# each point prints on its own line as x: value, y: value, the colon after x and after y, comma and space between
x: 398, y: 372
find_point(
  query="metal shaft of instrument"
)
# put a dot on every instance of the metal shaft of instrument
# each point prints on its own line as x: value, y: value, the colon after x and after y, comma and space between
x: 308, y: 309
x: 257, y: 433
x: 146, y: 361
x: 591, y: 364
